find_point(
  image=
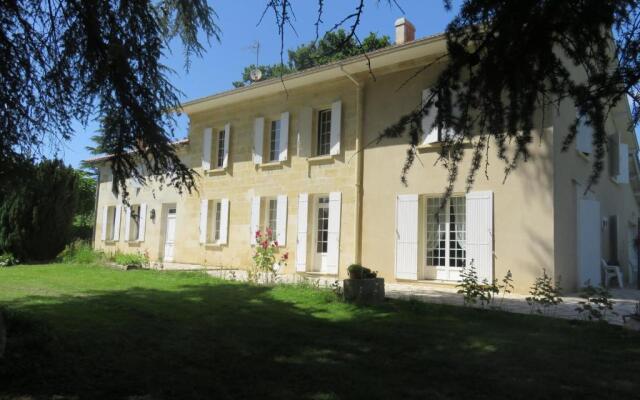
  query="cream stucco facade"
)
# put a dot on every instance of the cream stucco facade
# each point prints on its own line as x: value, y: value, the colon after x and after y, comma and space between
x: 353, y: 194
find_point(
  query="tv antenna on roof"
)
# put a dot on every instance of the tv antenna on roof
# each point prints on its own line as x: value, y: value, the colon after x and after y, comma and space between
x: 256, y: 74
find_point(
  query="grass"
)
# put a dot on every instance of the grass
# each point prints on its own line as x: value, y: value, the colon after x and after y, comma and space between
x: 93, y: 332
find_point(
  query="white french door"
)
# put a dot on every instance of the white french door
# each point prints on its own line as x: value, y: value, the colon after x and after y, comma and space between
x: 170, y: 235
x: 321, y: 236
x: 445, y: 233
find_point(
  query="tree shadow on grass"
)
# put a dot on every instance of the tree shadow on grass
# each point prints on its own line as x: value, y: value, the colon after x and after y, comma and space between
x: 228, y: 340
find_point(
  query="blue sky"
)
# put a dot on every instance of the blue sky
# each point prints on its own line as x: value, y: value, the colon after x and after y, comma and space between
x: 224, y: 60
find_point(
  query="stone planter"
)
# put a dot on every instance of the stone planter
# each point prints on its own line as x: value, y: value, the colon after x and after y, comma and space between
x: 632, y: 322
x: 364, y: 291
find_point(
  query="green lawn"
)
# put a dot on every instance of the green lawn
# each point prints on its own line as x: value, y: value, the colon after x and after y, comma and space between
x: 94, y: 332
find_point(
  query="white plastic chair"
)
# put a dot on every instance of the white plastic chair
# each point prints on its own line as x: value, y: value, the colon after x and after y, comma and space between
x: 611, y: 271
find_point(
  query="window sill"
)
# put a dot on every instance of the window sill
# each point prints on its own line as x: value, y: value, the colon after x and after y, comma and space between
x: 134, y: 242
x: 216, y: 171
x: 271, y: 165
x: 324, y: 159
x: 429, y: 146
x: 212, y: 244
x: 110, y: 242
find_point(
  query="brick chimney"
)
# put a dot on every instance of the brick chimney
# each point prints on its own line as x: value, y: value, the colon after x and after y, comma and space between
x: 405, y: 31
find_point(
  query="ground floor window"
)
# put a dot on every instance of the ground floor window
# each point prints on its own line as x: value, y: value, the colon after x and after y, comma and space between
x: 134, y: 223
x: 111, y: 223
x: 445, y: 232
x: 214, y: 213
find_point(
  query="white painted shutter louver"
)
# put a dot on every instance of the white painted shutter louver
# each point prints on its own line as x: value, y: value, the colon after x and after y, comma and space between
x: 116, y: 224
x: 206, y: 149
x: 429, y: 132
x: 224, y: 221
x: 127, y: 224
x: 204, y: 208
x: 623, y: 170
x: 105, y: 219
x: 479, y: 238
x: 301, y: 242
x: 255, y: 218
x: 584, y: 136
x: 284, y: 136
x: 336, y: 128
x: 281, y: 222
x: 305, y: 126
x: 258, y: 137
x: 143, y: 221
x: 407, y: 236
x: 333, y: 240
x: 227, y: 135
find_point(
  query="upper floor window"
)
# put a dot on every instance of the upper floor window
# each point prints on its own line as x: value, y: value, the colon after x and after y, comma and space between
x: 274, y: 140
x: 323, y: 144
x: 220, y: 149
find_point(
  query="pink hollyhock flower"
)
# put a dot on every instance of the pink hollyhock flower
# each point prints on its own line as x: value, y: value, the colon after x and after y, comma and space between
x: 258, y: 233
x: 265, y: 244
x: 285, y: 256
x: 275, y: 243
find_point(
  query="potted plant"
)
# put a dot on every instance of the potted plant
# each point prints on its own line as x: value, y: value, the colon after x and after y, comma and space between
x: 632, y: 321
x: 363, y: 285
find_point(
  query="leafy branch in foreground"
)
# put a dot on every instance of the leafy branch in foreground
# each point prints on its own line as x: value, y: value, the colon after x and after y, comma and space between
x: 74, y: 60
x: 507, y: 60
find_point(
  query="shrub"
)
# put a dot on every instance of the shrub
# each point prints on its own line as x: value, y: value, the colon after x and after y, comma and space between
x: 139, y: 260
x: 545, y: 295
x: 7, y: 260
x: 485, y: 292
x: 264, y: 257
x: 36, y: 215
x: 81, y: 252
x: 357, y: 271
x: 596, y: 304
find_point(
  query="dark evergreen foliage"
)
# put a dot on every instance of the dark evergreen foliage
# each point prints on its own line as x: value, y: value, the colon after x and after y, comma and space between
x: 66, y: 60
x: 36, y: 214
x: 334, y: 46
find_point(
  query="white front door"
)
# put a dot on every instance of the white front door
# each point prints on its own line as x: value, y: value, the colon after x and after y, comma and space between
x: 589, y: 244
x: 321, y: 238
x: 170, y: 235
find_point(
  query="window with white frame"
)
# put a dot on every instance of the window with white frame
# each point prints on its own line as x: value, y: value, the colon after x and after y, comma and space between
x: 274, y: 140
x: 215, y: 216
x: 446, y: 232
x: 111, y: 223
x: 323, y: 143
x: 270, y: 215
x: 322, y: 225
x: 134, y: 223
x: 220, y: 149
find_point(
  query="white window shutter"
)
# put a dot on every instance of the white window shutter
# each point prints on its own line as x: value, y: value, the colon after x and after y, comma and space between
x: 116, y: 224
x: 333, y: 240
x: 224, y: 221
x: 305, y: 126
x: 204, y: 208
x: 336, y: 128
x: 105, y: 219
x: 281, y: 222
x: 255, y: 218
x: 284, y: 136
x: 301, y: 242
x: 429, y: 132
x: 227, y: 135
x: 143, y: 221
x: 258, y: 137
x: 127, y: 223
x: 407, y: 236
x: 623, y: 174
x: 584, y: 136
x: 479, y: 238
x: 206, y: 149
